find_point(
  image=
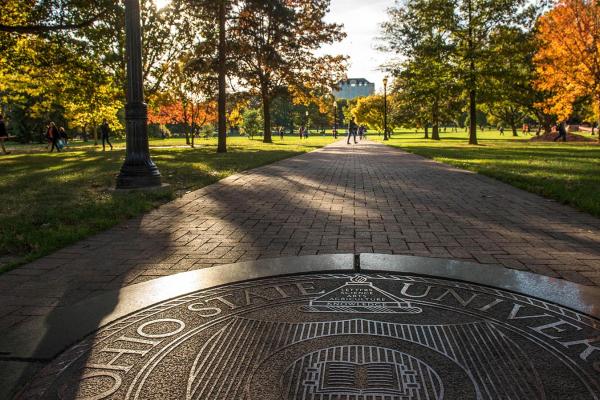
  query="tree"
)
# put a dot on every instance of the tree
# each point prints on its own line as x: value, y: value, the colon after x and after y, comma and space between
x: 275, y: 44
x: 568, y: 60
x: 251, y: 122
x: 475, y: 23
x: 419, y: 31
x: 509, y: 93
x: 188, y: 95
x: 40, y: 17
x: 369, y: 111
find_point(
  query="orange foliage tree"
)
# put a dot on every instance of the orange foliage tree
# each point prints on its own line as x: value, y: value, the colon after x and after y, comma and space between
x: 568, y: 59
x: 191, y: 114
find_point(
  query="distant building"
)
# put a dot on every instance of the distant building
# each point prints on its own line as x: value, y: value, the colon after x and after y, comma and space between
x: 353, y: 88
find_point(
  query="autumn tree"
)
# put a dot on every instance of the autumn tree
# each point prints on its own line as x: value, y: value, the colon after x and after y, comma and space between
x: 369, y: 111
x: 568, y: 60
x: 275, y: 44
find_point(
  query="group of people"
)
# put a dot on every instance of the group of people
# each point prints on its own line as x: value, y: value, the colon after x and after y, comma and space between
x: 303, y: 132
x: 356, y: 130
x: 57, y: 137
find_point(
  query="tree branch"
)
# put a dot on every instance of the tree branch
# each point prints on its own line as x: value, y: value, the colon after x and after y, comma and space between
x: 39, y: 29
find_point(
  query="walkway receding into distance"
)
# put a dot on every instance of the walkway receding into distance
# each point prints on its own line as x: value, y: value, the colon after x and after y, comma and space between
x: 340, y: 199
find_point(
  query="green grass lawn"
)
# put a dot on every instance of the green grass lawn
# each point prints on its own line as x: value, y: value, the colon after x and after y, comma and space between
x: 567, y: 172
x: 52, y: 200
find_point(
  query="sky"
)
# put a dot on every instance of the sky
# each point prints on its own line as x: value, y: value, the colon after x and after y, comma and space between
x: 362, y: 20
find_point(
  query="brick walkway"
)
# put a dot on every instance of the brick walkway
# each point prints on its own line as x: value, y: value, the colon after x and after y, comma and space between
x: 366, y: 198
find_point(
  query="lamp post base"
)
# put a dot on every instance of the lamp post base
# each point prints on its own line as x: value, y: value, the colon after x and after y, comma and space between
x: 139, y: 176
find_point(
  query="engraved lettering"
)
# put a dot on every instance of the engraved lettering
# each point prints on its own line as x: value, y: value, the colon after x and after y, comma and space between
x: 589, y: 349
x: 494, y: 303
x: 515, y: 311
x: 404, y: 291
x: 117, y: 382
x: 458, y: 297
x: 119, y: 352
x: 304, y: 288
x: 203, y: 311
x: 556, y: 326
x: 111, y: 365
x: 168, y: 321
x: 249, y: 296
x: 223, y: 300
x: 282, y: 292
x: 152, y: 343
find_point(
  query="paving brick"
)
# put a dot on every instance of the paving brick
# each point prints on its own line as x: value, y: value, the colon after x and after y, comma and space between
x: 340, y: 199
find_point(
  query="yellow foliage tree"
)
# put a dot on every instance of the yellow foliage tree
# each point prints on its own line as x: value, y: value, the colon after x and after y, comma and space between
x: 568, y: 59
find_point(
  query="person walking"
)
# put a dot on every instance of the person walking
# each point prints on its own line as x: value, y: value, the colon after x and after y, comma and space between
x: 3, y: 134
x: 63, y: 135
x: 562, y: 132
x: 53, y: 136
x: 105, y: 131
x: 352, y: 131
x: 281, y: 133
x: 501, y: 129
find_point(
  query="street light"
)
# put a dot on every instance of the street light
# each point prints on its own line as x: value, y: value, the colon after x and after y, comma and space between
x: 138, y: 170
x: 307, y: 120
x: 334, y: 118
x: 385, y: 127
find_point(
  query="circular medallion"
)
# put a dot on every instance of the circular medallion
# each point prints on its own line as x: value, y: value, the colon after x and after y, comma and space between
x: 335, y: 337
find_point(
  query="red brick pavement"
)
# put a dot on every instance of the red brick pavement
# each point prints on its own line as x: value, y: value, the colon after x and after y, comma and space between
x: 340, y: 199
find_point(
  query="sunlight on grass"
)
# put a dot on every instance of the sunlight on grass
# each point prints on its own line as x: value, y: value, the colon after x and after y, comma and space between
x: 53, y: 200
x: 567, y: 172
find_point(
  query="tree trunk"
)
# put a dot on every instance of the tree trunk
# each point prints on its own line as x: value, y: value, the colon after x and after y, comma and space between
x: 435, y: 133
x: 222, y: 101
x: 95, y: 135
x: 267, y: 119
x: 473, y: 116
x: 427, y: 131
x: 472, y: 82
x: 514, y: 130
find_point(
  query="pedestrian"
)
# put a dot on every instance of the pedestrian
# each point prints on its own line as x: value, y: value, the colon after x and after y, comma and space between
x: 360, y: 132
x: 63, y: 135
x: 281, y: 133
x: 105, y: 131
x: 562, y: 132
x: 3, y: 134
x: 501, y: 129
x: 352, y: 131
x: 305, y: 133
x: 53, y: 136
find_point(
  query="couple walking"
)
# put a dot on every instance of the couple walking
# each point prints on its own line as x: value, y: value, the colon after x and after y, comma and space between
x: 354, y: 130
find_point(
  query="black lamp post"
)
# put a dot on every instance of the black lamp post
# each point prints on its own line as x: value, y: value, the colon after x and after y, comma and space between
x: 307, y: 121
x: 334, y: 118
x: 385, y: 126
x: 138, y: 170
